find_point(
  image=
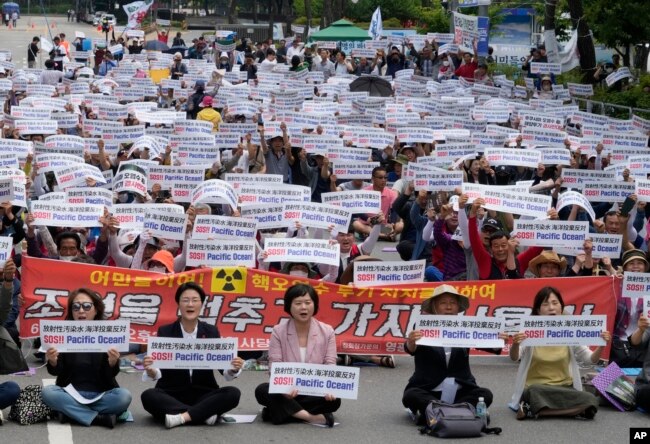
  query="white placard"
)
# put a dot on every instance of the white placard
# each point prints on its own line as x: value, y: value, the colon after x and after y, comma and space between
x: 621, y: 73
x: 513, y: 157
x: 551, y: 233
x: 545, y: 68
x: 460, y: 331
x: 576, y: 178
x: 525, y: 204
x: 302, y: 250
x: 580, y: 90
x: 266, y: 216
x: 314, y: 379
x: 215, y: 191
x: 355, y: 201
x: 608, y: 191
x: 369, y: 274
x: 636, y: 285
x: 437, y: 180
x: 556, y: 156
x: 85, y: 336
x: 642, y: 190
x: 131, y: 216
x: 540, y: 136
x: 574, y: 198
x: 194, y: 354
x: 6, y: 247
x: 313, y: 214
x: 62, y: 214
x: 358, y: 170
x: 165, y: 225
x: 221, y: 253
x: 89, y: 196
x: 237, y: 179
x: 604, y: 245
x: 274, y: 194
x: 563, y: 330
x: 131, y: 181
x: 26, y: 127
x: 223, y: 227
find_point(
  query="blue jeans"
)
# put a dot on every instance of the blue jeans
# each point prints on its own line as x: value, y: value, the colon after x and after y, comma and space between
x: 9, y: 392
x: 114, y: 402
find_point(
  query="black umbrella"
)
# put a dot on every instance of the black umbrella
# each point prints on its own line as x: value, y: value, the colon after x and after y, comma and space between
x: 375, y: 86
x: 155, y: 45
x: 175, y: 49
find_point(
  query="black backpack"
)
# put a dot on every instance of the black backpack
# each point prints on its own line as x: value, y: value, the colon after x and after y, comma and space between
x: 454, y: 421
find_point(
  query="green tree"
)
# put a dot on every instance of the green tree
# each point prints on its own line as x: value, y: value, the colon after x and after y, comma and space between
x: 619, y: 24
x: 433, y: 20
x: 402, y: 9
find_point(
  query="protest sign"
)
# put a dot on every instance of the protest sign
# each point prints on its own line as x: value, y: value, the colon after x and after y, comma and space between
x: 625, y: 140
x: 621, y: 73
x: 555, y: 156
x: 132, y: 216
x: 513, y: 157
x: 63, y: 214
x: 47, y: 283
x: 563, y: 330
x: 577, y: 178
x: 26, y: 127
x: 223, y: 227
x: 273, y: 194
x: 313, y: 214
x: 369, y: 273
x: 551, y: 233
x: 6, y: 247
x: 358, y: 170
x: 266, y: 216
x: 89, y: 196
x: 9, y: 160
x: 193, y: 354
x: 238, y: 179
x: 635, y: 285
x: 437, y: 180
x: 301, y: 250
x: 580, y: 90
x: 489, y: 114
x: 27, y: 112
x: 607, y: 191
x: 604, y: 245
x: 344, y: 155
x: 165, y: 225
x: 131, y: 181
x: 85, y: 336
x: 545, y: 68
x: 541, y: 121
x: 642, y: 190
x: 215, y: 191
x: 574, y: 198
x: 540, y: 136
x: 314, y: 379
x: 469, y: 29
x: 525, y: 204
x: 224, y: 253
x: 76, y: 175
x: 166, y: 176
x: 460, y: 331
x: 355, y: 201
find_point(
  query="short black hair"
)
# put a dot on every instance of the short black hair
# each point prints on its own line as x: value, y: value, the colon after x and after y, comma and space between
x: 379, y: 168
x: 68, y: 235
x: 296, y: 291
x: 499, y: 235
x: 543, y: 295
x: 190, y: 286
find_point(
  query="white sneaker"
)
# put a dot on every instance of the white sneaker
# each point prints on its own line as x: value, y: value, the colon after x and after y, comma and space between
x: 212, y: 420
x: 2, y: 418
x: 172, y: 421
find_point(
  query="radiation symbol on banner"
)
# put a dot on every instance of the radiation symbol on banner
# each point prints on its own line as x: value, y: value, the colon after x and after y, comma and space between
x: 229, y: 280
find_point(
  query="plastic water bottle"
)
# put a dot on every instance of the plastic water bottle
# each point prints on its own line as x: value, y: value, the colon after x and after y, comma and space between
x: 481, y: 410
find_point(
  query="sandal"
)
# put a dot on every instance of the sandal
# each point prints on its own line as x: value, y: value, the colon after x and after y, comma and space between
x: 387, y: 361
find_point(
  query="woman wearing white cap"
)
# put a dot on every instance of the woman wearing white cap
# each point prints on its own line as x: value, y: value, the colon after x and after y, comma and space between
x: 442, y: 372
x: 224, y: 61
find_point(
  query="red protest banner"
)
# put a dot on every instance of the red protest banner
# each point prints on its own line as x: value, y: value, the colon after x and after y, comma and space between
x: 247, y: 303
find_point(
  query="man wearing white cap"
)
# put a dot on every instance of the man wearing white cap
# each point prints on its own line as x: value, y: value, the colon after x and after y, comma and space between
x: 178, y: 68
x: 224, y: 62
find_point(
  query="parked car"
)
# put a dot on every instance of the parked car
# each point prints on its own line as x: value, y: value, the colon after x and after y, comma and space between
x: 111, y: 19
x: 98, y: 17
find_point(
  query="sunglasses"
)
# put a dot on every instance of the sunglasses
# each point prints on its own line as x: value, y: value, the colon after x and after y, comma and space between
x: 86, y: 306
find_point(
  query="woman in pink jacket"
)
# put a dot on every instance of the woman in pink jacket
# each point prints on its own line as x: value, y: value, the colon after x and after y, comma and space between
x: 300, y: 339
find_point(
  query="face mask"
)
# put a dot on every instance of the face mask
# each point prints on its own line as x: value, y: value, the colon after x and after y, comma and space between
x: 299, y: 273
x: 608, y: 70
x: 546, y: 87
x: 67, y: 258
x: 445, y: 63
x: 161, y: 270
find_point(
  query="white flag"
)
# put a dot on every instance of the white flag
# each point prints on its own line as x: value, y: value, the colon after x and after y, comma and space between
x: 376, y: 27
x: 136, y: 12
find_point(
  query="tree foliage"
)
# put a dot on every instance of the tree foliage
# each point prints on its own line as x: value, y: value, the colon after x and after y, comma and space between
x: 619, y: 22
x: 433, y: 20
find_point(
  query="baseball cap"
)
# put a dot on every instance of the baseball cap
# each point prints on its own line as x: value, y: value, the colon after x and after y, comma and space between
x: 493, y: 224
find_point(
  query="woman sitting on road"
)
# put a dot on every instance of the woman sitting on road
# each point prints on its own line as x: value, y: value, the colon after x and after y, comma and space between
x: 300, y: 339
x: 90, y: 374
x: 548, y: 381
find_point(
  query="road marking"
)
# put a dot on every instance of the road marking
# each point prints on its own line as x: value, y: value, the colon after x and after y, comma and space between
x: 57, y: 433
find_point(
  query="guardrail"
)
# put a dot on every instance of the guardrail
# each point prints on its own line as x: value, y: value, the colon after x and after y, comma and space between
x: 608, y: 109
